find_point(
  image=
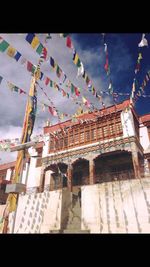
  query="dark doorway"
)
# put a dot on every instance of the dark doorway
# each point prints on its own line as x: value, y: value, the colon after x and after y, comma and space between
x: 113, y: 166
x: 80, y: 173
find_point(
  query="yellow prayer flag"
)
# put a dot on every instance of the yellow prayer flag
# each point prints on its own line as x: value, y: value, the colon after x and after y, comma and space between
x: 12, y: 199
x: 35, y: 42
x: 11, y: 51
x: 76, y: 59
x: 84, y: 99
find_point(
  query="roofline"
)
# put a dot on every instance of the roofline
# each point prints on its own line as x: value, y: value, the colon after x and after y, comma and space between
x: 61, y: 123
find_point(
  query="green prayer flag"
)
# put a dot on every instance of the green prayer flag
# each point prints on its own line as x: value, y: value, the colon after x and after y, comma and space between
x: 39, y: 49
x: 3, y: 46
x: 51, y: 83
x: 33, y: 69
x: 15, y: 88
x: 72, y: 88
x: 78, y: 63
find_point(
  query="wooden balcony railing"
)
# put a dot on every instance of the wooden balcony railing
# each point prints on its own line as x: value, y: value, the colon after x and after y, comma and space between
x: 83, y: 134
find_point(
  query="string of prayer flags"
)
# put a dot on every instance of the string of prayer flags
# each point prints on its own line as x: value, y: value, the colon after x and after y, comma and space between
x: 76, y: 59
x: 144, y: 84
x: 29, y: 66
x: 52, y: 62
x: 58, y: 70
x: 39, y: 49
x: 32, y: 39
x: 47, y: 80
x: 138, y: 63
x: 85, y: 102
x: 69, y: 42
x: 133, y: 91
x: 77, y: 92
x: 52, y: 111
x: 143, y: 42
x: 17, y: 56
x: 80, y: 70
x: 43, y: 54
x: 110, y: 88
x: 3, y: 45
x: 11, y: 51
x: 106, y: 66
x: 22, y: 91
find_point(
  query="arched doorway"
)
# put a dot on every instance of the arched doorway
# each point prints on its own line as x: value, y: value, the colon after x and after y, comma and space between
x: 58, y: 178
x: 63, y: 173
x: 112, y: 166
x: 80, y: 172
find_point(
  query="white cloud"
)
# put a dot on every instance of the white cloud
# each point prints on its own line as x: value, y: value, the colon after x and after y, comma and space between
x: 12, y: 106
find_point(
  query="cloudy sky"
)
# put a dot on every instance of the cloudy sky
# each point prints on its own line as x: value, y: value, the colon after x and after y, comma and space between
x: 123, y: 53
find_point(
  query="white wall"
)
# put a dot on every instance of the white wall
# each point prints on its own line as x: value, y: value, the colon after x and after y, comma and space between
x: 144, y: 139
x: 8, y: 174
x: 33, y: 179
x: 46, y: 146
x: 39, y: 212
x: 48, y: 177
x: 25, y: 173
x: 117, y: 207
x: 127, y: 123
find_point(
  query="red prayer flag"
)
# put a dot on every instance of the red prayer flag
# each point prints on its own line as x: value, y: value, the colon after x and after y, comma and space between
x: 21, y: 91
x: 77, y: 92
x: 29, y: 66
x: 47, y: 81
x: 68, y: 42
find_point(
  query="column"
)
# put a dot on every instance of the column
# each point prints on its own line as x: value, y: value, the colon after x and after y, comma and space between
x: 8, y: 174
x: 47, y: 180
x: 136, y: 164
x: 146, y: 168
x: 32, y: 182
x: 42, y: 179
x: 91, y: 171
x: 69, y: 177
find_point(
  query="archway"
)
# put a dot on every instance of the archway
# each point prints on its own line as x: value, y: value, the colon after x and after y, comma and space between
x: 80, y: 172
x: 117, y: 165
x: 58, y: 178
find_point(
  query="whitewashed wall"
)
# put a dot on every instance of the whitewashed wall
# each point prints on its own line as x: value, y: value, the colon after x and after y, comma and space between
x: 127, y: 123
x: 144, y: 139
x: 39, y: 212
x: 117, y: 207
x: 8, y: 174
x: 46, y: 146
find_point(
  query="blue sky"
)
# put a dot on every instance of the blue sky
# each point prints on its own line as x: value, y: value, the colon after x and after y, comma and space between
x: 123, y: 53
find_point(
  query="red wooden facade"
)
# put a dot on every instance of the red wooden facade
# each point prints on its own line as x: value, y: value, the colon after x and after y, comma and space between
x: 103, y: 128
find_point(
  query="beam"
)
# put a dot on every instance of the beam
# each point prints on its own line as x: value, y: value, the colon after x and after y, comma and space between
x: 23, y: 146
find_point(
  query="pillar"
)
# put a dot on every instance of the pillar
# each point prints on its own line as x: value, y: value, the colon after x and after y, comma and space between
x: 47, y: 179
x: 146, y: 168
x: 69, y: 177
x: 91, y: 171
x: 136, y: 164
x: 42, y: 181
x: 32, y: 182
x: 8, y: 174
